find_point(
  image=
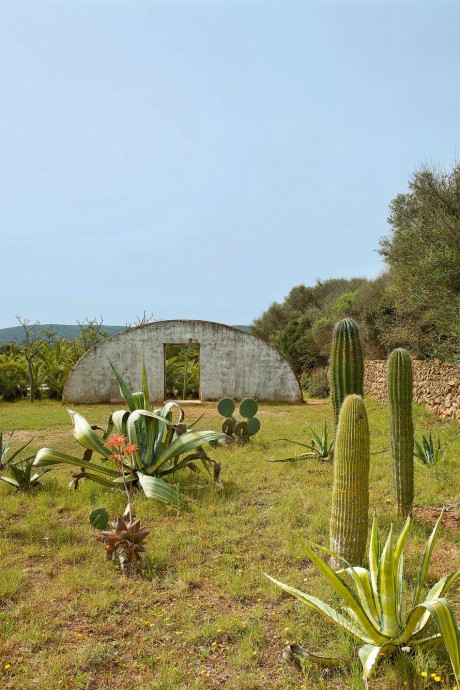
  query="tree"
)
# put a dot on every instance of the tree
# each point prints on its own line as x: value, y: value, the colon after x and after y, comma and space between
x: 423, y: 255
x: 34, y: 339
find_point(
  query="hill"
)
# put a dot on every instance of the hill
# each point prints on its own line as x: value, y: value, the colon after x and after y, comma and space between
x: 69, y: 331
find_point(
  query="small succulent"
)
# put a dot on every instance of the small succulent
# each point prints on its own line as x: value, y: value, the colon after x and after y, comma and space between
x: 124, y: 543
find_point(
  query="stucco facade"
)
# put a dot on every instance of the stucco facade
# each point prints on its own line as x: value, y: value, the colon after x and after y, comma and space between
x: 232, y: 363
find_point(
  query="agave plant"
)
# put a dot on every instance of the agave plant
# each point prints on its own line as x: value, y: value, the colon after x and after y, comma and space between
x: 427, y: 453
x: 21, y: 469
x: 320, y: 447
x: 374, y: 611
x: 160, y: 444
x: 124, y: 543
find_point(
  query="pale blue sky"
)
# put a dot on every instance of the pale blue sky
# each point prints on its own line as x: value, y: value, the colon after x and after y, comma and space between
x: 198, y: 159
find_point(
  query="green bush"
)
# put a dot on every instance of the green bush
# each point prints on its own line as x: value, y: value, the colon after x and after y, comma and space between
x: 316, y: 385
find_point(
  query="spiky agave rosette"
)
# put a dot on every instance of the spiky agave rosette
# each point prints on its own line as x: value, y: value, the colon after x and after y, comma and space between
x: 124, y: 543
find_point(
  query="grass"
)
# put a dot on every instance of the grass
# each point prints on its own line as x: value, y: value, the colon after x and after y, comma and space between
x: 201, y: 615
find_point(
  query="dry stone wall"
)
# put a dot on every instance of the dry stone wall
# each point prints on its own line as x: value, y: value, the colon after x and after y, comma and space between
x: 436, y: 385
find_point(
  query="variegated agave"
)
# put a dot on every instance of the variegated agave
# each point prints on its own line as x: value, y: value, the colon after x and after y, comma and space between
x: 160, y: 444
x: 124, y: 543
x: 21, y: 469
x: 374, y: 610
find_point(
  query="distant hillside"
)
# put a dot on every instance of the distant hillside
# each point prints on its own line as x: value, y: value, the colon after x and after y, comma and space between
x: 16, y: 333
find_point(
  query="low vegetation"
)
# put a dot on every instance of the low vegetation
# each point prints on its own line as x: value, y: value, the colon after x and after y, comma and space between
x: 200, y: 614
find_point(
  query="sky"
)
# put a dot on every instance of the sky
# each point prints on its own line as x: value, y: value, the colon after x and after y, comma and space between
x: 197, y: 159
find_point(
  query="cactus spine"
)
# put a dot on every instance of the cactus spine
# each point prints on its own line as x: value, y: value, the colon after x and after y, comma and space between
x: 350, y: 493
x: 399, y: 389
x: 347, y: 364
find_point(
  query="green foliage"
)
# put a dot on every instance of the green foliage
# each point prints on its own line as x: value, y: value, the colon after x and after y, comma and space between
x: 423, y: 254
x: 160, y: 444
x: 320, y: 447
x: 346, y: 365
x: 427, y: 452
x: 13, y: 377
x: 399, y: 389
x: 20, y: 469
x: 374, y: 611
x: 316, y: 384
x: 182, y: 371
x: 350, y: 491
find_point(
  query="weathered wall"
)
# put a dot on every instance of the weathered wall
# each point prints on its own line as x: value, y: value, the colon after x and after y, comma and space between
x: 436, y: 384
x: 232, y: 363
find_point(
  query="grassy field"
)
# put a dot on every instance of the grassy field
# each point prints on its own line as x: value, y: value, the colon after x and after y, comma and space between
x: 201, y: 615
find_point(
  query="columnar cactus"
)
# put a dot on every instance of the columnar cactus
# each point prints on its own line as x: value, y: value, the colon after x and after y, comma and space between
x: 346, y: 365
x: 350, y: 493
x: 399, y: 390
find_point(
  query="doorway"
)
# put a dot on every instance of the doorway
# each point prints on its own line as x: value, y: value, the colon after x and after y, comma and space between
x: 182, y: 371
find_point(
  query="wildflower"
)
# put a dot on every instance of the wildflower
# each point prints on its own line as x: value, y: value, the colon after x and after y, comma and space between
x: 424, y: 674
x: 130, y: 448
x: 6, y: 666
x: 115, y: 441
x: 437, y: 679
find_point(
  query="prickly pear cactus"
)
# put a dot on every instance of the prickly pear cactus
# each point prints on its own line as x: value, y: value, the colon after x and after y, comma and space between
x: 346, y: 364
x: 399, y: 390
x: 350, y: 493
x: 239, y: 431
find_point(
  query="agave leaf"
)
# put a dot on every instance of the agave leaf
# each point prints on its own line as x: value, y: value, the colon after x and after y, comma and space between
x: 13, y: 482
x: 119, y: 419
x: 348, y: 596
x: 16, y: 452
x: 298, y: 656
x: 321, y: 607
x: 48, y: 456
x: 362, y: 580
x: 303, y: 456
x: 415, y: 625
x: 424, y: 564
x: 375, y: 553
x: 443, y: 616
x: 37, y: 475
x: 157, y: 488
x: 141, y: 428
x: 86, y: 436
x: 145, y: 386
x: 390, y: 625
x: 369, y: 655
x: 184, y: 444
x: 124, y: 390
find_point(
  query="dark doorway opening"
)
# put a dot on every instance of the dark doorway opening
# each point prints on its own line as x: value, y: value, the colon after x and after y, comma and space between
x: 182, y: 371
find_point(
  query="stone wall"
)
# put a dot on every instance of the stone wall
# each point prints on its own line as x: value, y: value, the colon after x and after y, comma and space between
x: 436, y: 385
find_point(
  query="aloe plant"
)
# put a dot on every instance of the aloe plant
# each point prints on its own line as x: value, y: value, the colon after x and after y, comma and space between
x: 124, y: 543
x: 320, y: 447
x: 20, y: 470
x: 160, y: 445
x: 374, y: 613
x: 427, y: 453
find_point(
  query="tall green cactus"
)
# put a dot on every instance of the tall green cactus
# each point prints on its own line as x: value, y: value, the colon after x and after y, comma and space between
x: 399, y: 389
x: 350, y: 493
x: 346, y: 365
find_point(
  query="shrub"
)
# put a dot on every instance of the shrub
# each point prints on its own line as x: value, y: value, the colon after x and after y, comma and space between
x: 316, y: 385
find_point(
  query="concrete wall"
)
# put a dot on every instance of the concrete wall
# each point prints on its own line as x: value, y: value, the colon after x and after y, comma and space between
x: 232, y: 363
